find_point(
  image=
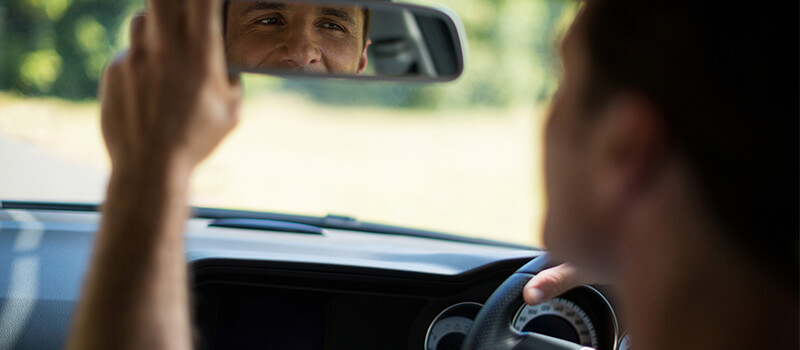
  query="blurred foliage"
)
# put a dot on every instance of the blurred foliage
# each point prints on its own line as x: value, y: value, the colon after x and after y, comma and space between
x: 59, y: 47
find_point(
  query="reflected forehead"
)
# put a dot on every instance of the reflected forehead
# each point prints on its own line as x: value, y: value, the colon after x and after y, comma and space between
x: 258, y: 5
x: 337, y: 11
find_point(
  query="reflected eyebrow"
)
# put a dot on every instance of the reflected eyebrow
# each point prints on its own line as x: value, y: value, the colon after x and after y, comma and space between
x: 338, y: 13
x: 264, y: 6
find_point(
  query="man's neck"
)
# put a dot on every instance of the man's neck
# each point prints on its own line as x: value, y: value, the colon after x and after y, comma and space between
x: 687, y: 288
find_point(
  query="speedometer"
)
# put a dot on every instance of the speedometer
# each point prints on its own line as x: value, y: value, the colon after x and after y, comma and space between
x: 558, y: 318
x: 450, y: 327
x: 625, y: 343
x: 582, y: 316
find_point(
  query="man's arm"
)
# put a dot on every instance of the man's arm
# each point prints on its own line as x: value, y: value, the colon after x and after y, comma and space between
x: 135, y: 294
x: 166, y: 104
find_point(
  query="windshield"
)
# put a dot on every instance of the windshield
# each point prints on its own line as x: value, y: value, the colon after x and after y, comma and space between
x: 460, y: 157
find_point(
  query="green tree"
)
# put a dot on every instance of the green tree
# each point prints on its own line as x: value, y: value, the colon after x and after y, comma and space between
x: 58, y: 47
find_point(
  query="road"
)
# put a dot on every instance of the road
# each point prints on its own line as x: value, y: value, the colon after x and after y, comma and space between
x: 472, y: 173
x: 30, y: 173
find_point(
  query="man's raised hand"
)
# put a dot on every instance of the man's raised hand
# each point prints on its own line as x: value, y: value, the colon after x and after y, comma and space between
x: 169, y: 101
x: 166, y: 104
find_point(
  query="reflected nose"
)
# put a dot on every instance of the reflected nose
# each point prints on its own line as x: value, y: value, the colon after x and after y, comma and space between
x: 300, y: 50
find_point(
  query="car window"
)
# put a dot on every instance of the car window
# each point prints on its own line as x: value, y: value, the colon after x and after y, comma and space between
x: 459, y: 157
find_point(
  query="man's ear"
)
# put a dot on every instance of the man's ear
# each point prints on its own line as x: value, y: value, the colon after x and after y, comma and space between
x: 628, y: 150
x: 362, y: 64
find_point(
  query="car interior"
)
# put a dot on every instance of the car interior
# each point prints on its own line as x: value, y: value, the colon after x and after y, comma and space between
x: 276, y: 285
x: 410, y: 42
x: 269, y: 280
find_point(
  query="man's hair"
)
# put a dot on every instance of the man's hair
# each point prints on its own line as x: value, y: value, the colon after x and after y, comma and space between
x: 725, y: 77
x: 367, y: 22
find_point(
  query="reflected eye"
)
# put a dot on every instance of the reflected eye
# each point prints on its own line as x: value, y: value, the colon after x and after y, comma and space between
x: 332, y: 26
x: 269, y: 21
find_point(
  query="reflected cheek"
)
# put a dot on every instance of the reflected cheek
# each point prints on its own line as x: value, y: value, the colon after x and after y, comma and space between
x: 340, y: 58
x: 252, y: 49
x: 246, y: 53
x: 235, y: 52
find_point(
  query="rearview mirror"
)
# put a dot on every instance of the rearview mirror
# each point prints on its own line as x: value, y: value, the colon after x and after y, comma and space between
x: 343, y: 39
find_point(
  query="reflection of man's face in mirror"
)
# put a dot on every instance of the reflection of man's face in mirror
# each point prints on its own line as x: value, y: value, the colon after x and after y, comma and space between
x: 305, y: 37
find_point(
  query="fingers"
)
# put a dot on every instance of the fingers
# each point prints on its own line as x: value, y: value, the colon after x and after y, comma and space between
x: 137, y: 36
x: 110, y: 93
x: 203, y: 20
x: 550, y: 283
x: 167, y: 15
x: 111, y: 72
x: 194, y: 24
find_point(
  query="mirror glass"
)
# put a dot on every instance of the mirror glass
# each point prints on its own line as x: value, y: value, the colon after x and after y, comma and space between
x: 372, y: 40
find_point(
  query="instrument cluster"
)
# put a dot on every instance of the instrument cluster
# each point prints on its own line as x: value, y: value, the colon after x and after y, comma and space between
x: 582, y: 316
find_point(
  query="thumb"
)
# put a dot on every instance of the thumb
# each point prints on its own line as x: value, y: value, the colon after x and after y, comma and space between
x: 551, y: 283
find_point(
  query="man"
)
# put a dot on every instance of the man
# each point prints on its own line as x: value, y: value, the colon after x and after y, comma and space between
x: 671, y: 170
x: 297, y: 37
x: 667, y: 152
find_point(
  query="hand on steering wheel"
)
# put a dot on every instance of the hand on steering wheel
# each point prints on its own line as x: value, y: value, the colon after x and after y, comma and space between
x: 554, y: 281
x: 493, y: 328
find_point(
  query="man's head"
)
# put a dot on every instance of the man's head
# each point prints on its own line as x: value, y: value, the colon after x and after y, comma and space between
x: 700, y: 88
x: 318, y: 38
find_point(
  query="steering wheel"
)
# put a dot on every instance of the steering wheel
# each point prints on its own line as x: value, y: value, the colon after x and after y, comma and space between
x: 493, y: 326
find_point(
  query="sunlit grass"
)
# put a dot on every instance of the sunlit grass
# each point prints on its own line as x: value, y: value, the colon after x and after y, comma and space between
x: 473, y: 172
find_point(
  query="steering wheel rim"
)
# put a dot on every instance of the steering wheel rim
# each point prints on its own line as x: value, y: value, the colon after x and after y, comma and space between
x: 493, y: 326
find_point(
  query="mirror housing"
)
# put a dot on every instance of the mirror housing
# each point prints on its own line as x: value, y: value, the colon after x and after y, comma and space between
x: 362, y: 40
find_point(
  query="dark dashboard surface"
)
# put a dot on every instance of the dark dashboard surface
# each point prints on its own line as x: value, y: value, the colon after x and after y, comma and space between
x: 252, y: 305
x: 353, y: 289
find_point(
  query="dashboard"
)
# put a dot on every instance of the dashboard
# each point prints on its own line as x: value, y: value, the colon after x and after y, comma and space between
x: 261, y: 289
x: 257, y: 305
